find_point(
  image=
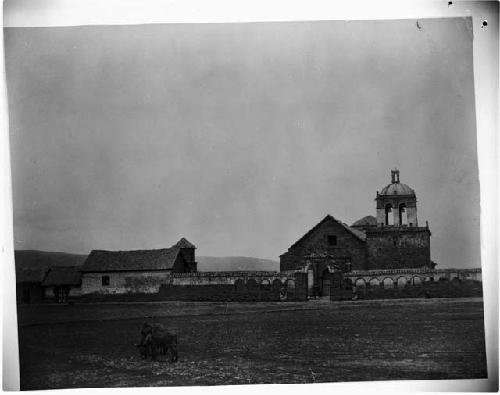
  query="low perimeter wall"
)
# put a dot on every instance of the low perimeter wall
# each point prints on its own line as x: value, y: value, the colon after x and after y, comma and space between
x: 252, y: 286
x: 206, y: 286
x: 150, y: 282
x: 208, y: 293
x: 401, y: 278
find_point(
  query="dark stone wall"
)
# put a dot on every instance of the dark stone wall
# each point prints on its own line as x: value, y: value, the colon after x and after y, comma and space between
x: 348, y: 247
x: 189, y: 257
x: 398, y: 247
x: 215, y: 293
x: 441, y: 289
x: 240, y: 291
x: 185, y: 261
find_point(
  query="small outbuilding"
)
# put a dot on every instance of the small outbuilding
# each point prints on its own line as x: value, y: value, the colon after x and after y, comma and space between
x: 29, y: 287
x: 62, y: 282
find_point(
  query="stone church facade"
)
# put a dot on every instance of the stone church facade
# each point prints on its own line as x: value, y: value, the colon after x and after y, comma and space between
x: 391, y: 240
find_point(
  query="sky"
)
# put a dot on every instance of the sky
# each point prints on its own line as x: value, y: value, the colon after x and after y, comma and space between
x: 240, y: 136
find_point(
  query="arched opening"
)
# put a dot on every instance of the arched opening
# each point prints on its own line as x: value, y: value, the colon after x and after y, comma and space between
x: 403, y: 214
x: 239, y: 284
x: 402, y: 282
x: 310, y: 281
x: 326, y: 282
x: 389, y: 219
x: 265, y: 284
x: 336, y: 280
x: 416, y: 280
x: 276, y: 284
x: 388, y: 283
x: 251, y: 284
x: 360, y: 283
x: 374, y: 282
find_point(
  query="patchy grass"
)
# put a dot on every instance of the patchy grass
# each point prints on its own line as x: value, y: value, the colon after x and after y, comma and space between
x: 243, y: 343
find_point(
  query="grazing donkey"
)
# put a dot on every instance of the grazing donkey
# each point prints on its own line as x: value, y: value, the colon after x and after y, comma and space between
x: 156, y: 339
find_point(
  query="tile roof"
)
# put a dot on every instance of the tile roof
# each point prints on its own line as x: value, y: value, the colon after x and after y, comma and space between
x: 110, y: 261
x: 30, y: 275
x: 63, y: 275
x: 104, y: 261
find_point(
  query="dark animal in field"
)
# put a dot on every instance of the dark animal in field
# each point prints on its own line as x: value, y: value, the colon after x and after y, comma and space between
x: 155, y: 339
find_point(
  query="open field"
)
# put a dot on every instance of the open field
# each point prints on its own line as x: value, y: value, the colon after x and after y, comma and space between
x: 91, y: 345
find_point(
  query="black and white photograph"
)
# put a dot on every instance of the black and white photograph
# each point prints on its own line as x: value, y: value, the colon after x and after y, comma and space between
x: 259, y: 202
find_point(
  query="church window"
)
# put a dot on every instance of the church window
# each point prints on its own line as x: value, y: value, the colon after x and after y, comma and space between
x: 332, y: 240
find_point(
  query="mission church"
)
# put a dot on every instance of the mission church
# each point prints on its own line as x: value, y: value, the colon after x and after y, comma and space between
x: 391, y: 240
x: 384, y: 250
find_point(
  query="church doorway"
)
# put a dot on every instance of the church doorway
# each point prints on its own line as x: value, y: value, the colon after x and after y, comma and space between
x: 310, y: 281
x: 326, y: 282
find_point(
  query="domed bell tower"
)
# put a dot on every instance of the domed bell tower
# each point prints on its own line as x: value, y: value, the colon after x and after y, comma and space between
x: 396, y: 204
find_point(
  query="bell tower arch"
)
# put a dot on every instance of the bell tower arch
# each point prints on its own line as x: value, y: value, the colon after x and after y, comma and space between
x: 396, y: 204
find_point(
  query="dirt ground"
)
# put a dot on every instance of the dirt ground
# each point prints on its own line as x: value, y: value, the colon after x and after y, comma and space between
x: 92, y: 345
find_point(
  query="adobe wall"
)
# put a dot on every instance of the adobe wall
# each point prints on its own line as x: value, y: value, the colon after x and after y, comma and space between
x: 407, y: 277
x: 124, y: 282
x: 398, y: 247
x: 224, y: 278
x: 252, y: 286
x: 150, y: 282
x: 219, y: 293
x: 200, y: 286
x: 348, y: 246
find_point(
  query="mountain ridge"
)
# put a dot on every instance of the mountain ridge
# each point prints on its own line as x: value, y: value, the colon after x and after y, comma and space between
x: 35, y: 259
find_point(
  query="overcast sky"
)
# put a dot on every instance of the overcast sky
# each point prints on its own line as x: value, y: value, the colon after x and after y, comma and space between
x: 239, y: 137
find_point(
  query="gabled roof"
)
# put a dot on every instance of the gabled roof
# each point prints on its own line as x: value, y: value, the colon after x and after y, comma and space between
x: 358, y: 234
x: 112, y: 261
x: 62, y: 275
x: 184, y: 243
x: 30, y: 275
x: 109, y: 261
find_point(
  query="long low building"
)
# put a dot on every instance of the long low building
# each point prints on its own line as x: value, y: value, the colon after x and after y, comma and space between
x: 138, y: 271
x: 61, y: 283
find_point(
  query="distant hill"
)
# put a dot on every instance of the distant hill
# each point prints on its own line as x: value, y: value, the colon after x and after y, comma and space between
x: 32, y: 259
x: 32, y: 265
x: 235, y: 263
